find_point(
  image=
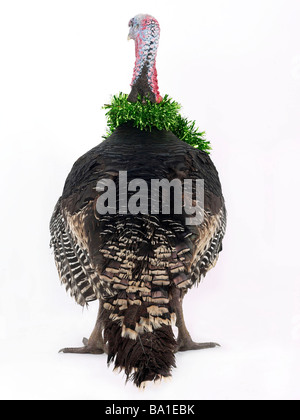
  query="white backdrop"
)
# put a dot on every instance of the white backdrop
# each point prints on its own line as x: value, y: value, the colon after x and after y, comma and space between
x: 235, y: 67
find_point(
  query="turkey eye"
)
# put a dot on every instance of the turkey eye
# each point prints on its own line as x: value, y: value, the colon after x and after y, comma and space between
x: 137, y: 26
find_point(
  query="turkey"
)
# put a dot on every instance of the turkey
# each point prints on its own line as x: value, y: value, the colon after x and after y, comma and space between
x: 139, y: 266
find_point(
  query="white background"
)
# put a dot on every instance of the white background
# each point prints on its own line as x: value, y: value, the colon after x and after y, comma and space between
x: 235, y: 67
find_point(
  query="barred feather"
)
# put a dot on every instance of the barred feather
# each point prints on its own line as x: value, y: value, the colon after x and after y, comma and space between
x: 132, y: 263
x: 73, y: 262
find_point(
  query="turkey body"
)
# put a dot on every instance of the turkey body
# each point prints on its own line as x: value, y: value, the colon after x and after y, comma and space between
x: 139, y: 266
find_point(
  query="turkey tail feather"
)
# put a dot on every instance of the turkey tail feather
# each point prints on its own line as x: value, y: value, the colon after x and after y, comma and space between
x: 144, y: 356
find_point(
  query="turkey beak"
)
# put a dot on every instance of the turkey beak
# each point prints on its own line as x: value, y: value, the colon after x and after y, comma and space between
x: 129, y: 37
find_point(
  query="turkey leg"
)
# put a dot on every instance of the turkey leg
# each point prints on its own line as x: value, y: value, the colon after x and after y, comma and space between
x: 95, y: 344
x: 184, y: 340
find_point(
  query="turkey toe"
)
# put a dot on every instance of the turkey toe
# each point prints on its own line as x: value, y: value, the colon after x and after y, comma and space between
x: 91, y: 346
x: 191, y: 345
x: 86, y: 349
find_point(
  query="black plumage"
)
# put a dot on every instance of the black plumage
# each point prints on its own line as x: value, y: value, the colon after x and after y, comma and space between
x: 135, y: 262
x: 139, y: 266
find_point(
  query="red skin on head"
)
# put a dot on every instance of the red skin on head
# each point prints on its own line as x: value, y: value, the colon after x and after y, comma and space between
x: 146, y: 43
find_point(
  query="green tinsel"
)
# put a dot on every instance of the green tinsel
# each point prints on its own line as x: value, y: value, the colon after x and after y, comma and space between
x: 145, y: 115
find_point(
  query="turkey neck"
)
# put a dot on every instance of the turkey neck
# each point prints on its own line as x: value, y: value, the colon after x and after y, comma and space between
x: 144, y: 81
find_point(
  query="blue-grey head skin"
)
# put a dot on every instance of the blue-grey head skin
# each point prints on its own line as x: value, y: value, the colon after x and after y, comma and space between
x: 145, y: 31
x: 135, y: 25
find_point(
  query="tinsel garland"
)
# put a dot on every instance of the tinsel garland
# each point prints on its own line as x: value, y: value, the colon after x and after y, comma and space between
x: 145, y: 115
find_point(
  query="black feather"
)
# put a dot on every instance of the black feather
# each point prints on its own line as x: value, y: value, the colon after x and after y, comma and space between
x: 131, y: 263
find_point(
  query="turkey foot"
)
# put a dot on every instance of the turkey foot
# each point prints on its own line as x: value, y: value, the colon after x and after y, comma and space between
x: 184, y: 340
x: 89, y: 347
x: 95, y: 344
x: 189, y: 344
